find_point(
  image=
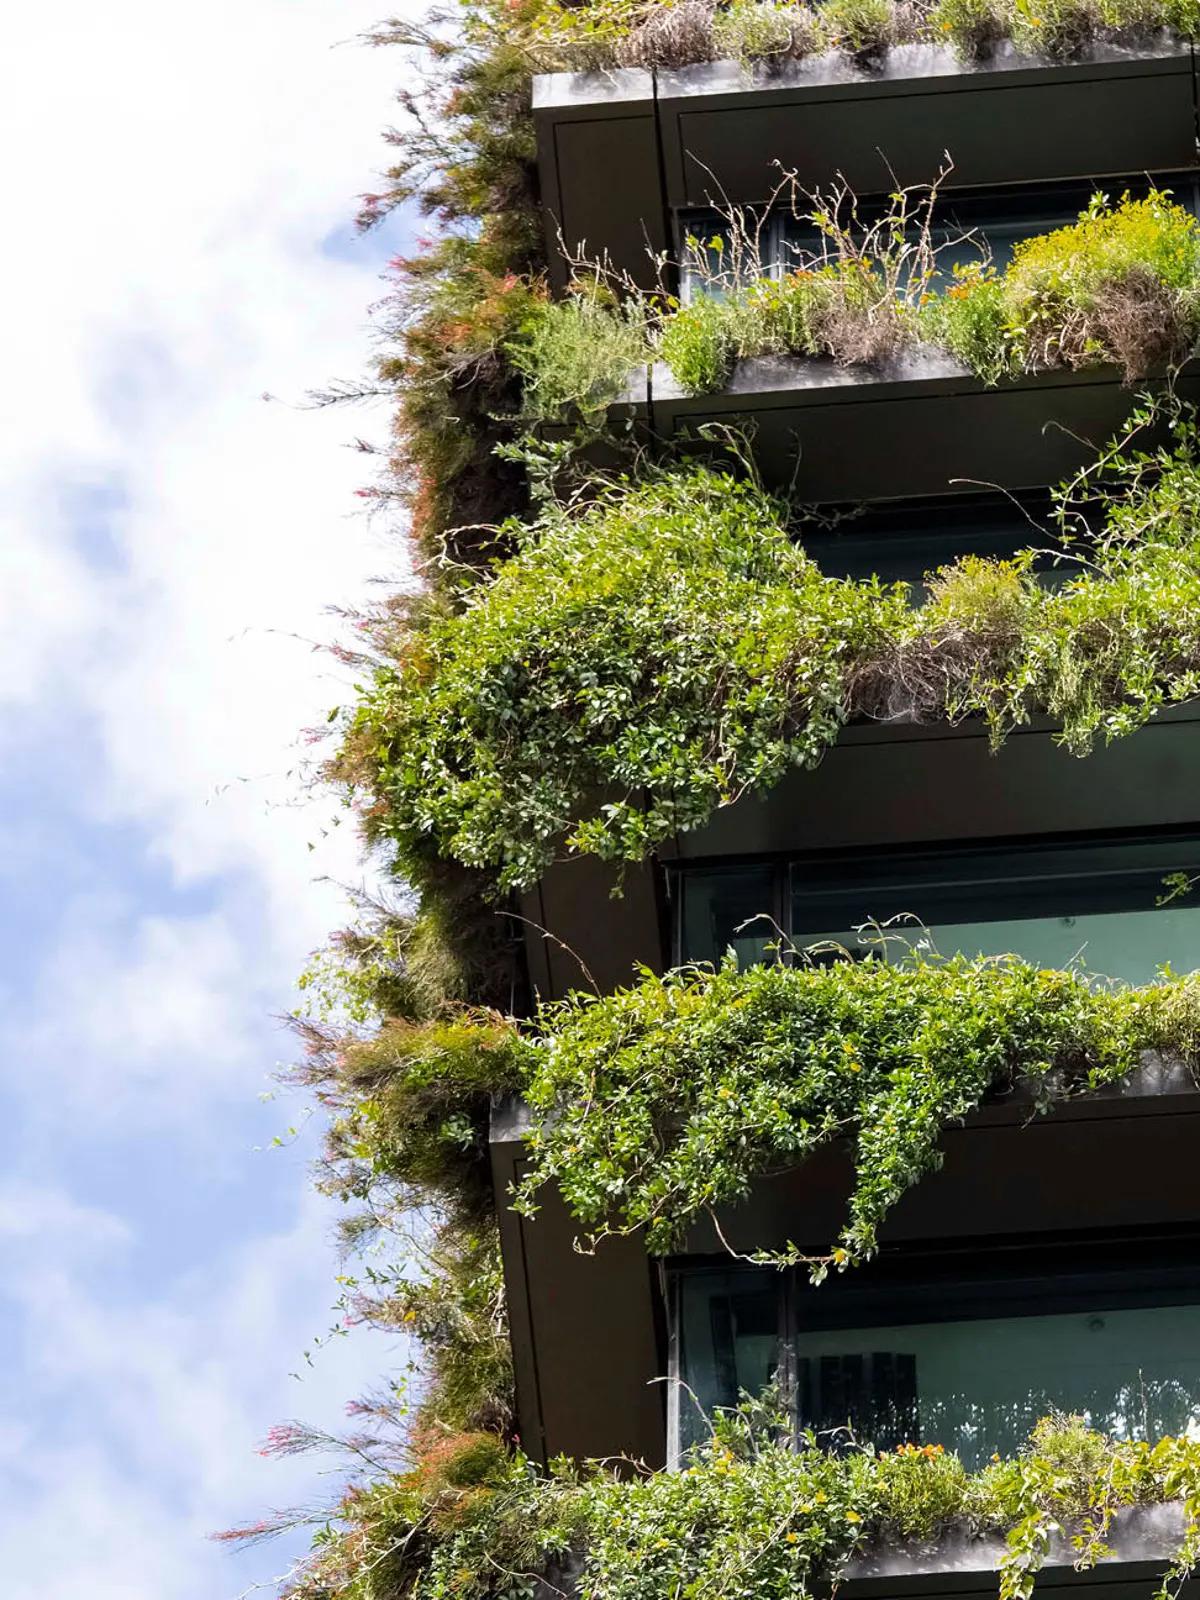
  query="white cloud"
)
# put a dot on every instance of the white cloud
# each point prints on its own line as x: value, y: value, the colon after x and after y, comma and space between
x: 136, y: 1431
x: 28, y: 1212
x: 180, y: 172
x: 172, y: 174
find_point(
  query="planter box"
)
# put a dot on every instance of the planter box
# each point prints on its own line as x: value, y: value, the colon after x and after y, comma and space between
x: 921, y: 425
x: 1137, y: 1534
x: 621, y: 152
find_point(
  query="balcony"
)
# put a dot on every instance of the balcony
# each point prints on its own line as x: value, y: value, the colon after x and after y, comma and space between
x: 718, y: 133
x: 591, y: 1331
x: 590, y: 1335
x: 920, y: 425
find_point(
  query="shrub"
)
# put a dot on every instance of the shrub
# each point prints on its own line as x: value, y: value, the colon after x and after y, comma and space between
x: 577, y: 355
x: 698, y: 345
x: 1119, y: 285
x: 1055, y: 28
x: 973, y: 27
x: 761, y: 30
x: 863, y: 29
x: 922, y: 1490
x: 971, y: 320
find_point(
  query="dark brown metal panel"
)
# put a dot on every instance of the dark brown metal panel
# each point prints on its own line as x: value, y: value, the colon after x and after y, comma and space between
x: 598, y: 935
x: 605, y: 177
x: 508, y: 1122
x: 995, y: 131
x: 592, y: 1321
x: 882, y: 786
x: 1053, y: 1174
x: 857, y: 434
x: 537, y: 955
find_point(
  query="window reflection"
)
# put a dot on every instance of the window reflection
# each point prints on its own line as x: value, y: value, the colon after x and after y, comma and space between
x: 729, y: 909
x: 729, y: 1343
x: 975, y: 1384
x: 978, y: 1387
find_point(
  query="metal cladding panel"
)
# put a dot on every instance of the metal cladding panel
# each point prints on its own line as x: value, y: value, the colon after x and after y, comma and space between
x: 620, y: 151
x: 1051, y: 1174
x: 849, y: 436
x: 912, y: 786
x: 589, y: 924
x: 587, y: 1329
x: 994, y: 131
x: 586, y: 1334
x: 604, y: 196
x: 1125, y: 1580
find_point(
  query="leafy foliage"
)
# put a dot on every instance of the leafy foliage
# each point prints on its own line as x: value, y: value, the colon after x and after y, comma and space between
x: 1121, y: 286
x: 650, y: 656
x: 664, y: 1101
x: 668, y: 641
x: 750, y: 1515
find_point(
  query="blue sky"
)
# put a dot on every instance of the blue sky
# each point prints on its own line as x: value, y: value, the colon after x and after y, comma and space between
x: 178, y: 243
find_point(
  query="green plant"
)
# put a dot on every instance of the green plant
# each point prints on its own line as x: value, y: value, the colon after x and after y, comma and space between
x: 862, y: 28
x: 923, y: 1489
x: 697, y: 344
x: 1119, y: 285
x: 973, y: 27
x: 662, y: 1102
x: 1056, y: 28
x: 578, y: 355
x: 971, y: 319
x: 762, y: 30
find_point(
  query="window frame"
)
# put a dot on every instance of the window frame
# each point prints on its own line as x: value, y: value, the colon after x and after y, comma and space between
x: 1102, y: 874
x: 961, y: 1281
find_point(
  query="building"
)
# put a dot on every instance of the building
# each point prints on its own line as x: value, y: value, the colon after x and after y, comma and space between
x: 1051, y: 1262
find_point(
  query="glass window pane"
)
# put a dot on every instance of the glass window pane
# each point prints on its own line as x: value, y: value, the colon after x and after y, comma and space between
x: 728, y: 1342
x: 1094, y: 906
x: 979, y: 1386
x: 716, y: 906
x: 1128, y: 945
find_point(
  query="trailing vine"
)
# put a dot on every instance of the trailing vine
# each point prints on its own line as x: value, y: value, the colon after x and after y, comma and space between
x: 664, y: 1101
x: 650, y: 656
x: 608, y: 666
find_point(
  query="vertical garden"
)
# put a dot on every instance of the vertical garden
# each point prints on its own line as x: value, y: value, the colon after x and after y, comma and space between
x: 608, y: 639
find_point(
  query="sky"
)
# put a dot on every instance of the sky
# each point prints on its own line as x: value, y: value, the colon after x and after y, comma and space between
x: 178, y: 193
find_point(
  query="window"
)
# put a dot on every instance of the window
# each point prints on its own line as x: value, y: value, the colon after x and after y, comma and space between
x: 1093, y: 904
x: 997, y: 217
x: 939, y: 1348
x: 904, y: 541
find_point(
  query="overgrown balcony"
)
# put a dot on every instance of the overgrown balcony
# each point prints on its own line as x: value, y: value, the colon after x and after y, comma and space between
x: 882, y: 354
x: 716, y: 133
